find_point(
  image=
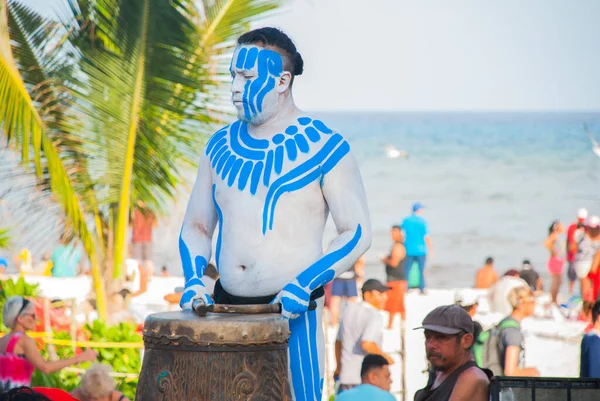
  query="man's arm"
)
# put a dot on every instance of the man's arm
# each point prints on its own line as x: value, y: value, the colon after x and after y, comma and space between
x: 398, y: 253
x: 472, y: 385
x: 338, y: 359
x: 343, y: 190
x: 511, y: 364
x: 372, y: 348
x: 195, y: 239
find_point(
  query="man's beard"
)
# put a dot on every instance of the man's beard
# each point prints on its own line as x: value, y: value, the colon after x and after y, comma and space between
x: 440, y: 358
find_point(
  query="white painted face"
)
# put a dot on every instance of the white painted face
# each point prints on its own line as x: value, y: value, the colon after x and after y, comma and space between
x: 256, y: 83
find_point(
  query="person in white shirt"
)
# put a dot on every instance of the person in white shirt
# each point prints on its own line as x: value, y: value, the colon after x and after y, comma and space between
x: 360, y: 334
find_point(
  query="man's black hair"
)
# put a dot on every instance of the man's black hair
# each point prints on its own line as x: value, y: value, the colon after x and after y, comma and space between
x: 489, y: 261
x: 372, y: 361
x: 396, y: 227
x: 275, y: 38
x: 22, y: 394
x: 595, y: 311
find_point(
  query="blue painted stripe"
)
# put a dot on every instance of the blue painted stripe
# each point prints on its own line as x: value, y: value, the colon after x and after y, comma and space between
x: 322, y: 127
x: 295, y: 364
x: 246, y: 100
x: 200, y: 266
x: 220, y: 216
x: 312, y: 134
x: 277, y: 139
x: 294, y: 186
x: 275, y: 63
x: 269, y: 86
x: 313, y: 162
x: 322, y: 279
x: 305, y: 355
x: 214, y: 139
x: 234, y: 172
x: 221, y: 162
x: 255, y: 179
x: 313, y: 327
x: 251, y: 58
x: 268, y: 167
x: 194, y: 281
x: 298, y: 292
x: 304, y: 120
x: 218, y: 154
x: 258, y: 82
x: 239, y: 149
x: 291, y: 130
x: 251, y: 142
x: 278, y: 159
x: 228, y: 166
x: 186, y: 297
x: 329, y: 260
x: 217, y: 148
x: 339, y: 153
x: 302, y: 143
x: 290, y: 147
x: 244, y: 175
x: 241, y: 57
x: 186, y: 259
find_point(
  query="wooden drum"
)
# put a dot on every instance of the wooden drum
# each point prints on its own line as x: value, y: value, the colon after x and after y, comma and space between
x: 215, y: 357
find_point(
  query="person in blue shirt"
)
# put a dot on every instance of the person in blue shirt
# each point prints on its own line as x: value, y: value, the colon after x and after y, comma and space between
x: 65, y: 260
x: 376, y: 381
x: 416, y: 242
x: 590, y: 347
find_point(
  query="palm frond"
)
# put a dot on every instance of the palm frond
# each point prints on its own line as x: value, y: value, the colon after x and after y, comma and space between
x: 22, y: 124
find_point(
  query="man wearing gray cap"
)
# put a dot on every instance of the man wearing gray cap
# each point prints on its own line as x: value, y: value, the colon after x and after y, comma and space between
x: 454, y: 376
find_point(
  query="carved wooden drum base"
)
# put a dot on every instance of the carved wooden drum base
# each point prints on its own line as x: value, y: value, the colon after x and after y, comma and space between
x: 214, y: 358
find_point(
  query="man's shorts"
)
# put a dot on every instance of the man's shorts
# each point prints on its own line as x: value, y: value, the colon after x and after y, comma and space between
x: 344, y: 288
x: 571, y: 273
x: 142, y: 251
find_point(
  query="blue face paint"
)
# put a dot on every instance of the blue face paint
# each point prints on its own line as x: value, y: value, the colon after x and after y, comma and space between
x: 267, y: 65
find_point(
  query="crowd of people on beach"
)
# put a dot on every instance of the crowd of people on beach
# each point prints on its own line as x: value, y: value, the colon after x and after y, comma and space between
x: 457, y: 346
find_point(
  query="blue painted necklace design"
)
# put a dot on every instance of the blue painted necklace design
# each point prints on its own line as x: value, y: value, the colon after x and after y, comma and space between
x: 240, y: 158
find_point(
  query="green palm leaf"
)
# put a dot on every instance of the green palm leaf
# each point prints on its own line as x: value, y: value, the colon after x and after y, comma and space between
x: 22, y: 123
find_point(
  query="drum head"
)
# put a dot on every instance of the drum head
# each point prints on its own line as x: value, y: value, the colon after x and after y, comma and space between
x: 185, y: 328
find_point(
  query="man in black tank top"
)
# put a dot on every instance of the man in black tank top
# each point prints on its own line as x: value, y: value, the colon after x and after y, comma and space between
x: 454, y: 376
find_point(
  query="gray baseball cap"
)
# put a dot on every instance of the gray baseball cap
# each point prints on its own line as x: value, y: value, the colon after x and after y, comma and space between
x: 448, y: 319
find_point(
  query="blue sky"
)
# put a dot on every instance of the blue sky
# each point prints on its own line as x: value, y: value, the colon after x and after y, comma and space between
x: 437, y: 55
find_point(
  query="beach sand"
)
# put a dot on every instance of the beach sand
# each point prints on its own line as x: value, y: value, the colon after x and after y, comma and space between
x: 551, y: 345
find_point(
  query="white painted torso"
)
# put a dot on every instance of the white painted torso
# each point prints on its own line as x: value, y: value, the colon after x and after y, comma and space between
x: 251, y: 263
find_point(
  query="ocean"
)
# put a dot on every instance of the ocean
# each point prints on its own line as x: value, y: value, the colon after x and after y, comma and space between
x: 491, y: 184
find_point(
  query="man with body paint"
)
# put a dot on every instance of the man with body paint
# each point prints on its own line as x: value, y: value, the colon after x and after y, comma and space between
x: 270, y: 180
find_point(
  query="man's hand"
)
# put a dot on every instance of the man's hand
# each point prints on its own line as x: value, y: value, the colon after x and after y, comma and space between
x: 194, y: 289
x: 294, y: 300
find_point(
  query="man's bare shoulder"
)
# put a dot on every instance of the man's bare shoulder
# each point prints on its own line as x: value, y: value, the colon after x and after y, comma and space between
x: 472, y: 384
x: 475, y: 375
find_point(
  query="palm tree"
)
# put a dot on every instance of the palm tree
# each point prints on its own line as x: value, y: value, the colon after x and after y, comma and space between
x: 114, y: 102
x: 4, y: 238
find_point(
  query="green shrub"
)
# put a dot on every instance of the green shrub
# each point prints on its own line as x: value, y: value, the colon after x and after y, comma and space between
x: 123, y: 360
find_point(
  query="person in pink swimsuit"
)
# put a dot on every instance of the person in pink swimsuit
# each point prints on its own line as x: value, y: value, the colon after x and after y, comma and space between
x: 19, y: 355
x: 557, y: 258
